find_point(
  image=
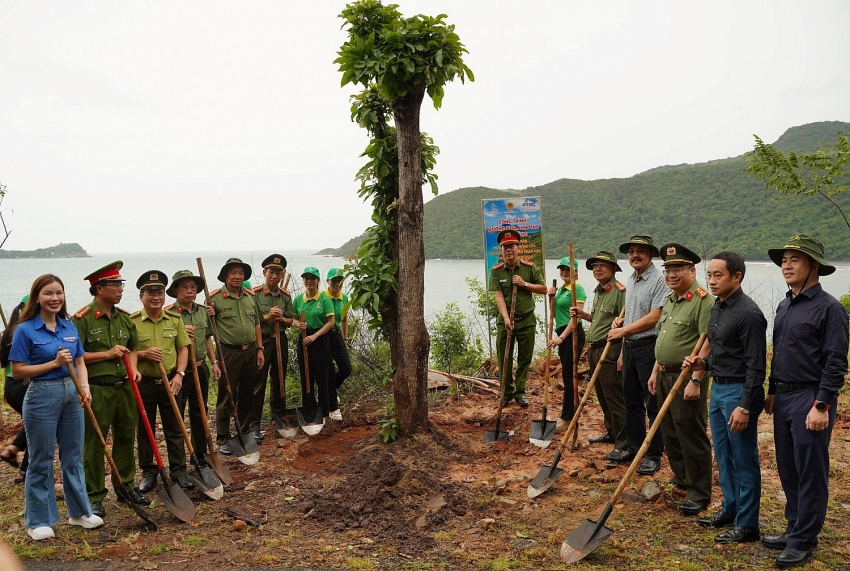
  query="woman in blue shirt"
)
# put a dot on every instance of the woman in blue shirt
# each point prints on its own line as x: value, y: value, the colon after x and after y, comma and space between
x: 44, y: 346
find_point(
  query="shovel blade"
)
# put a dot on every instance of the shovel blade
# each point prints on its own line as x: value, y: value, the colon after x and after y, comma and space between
x: 580, y: 543
x: 177, y: 502
x: 543, y: 480
x: 492, y: 436
x: 248, y: 451
x: 125, y: 497
x: 287, y: 427
x: 542, y: 432
x: 311, y: 422
x: 205, y: 480
x: 219, y: 467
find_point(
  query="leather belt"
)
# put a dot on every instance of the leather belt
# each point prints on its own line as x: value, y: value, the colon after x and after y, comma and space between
x: 156, y: 380
x: 238, y: 347
x: 603, y: 342
x: 101, y: 383
x: 794, y: 387
x: 518, y: 316
x: 670, y: 368
x: 640, y: 342
x: 728, y: 380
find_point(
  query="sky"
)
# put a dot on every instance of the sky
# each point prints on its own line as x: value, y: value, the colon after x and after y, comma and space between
x: 208, y: 126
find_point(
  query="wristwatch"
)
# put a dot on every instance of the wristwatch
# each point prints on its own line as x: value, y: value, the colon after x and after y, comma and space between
x: 696, y: 381
x: 181, y: 373
x: 744, y: 410
x: 821, y: 406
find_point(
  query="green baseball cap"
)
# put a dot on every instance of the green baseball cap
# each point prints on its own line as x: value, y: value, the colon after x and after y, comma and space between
x: 603, y: 256
x: 335, y: 273
x: 311, y: 271
x: 639, y: 240
x: 810, y: 246
x: 184, y: 274
x: 565, y: 263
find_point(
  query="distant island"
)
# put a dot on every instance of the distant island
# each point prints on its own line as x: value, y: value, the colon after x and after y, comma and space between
x: 73, y: 250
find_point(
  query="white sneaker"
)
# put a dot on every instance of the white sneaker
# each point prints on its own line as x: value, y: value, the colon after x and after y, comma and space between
x: 87, y: 521
x: 335, y: 415
x: 39, y: 533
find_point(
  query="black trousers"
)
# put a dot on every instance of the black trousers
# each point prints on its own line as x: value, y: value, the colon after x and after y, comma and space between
x: 268, y: 374
x: 154, y: 397
x: 640, y: 404
x: 340, y: 358
x: 189, y: 395
x: 14, y: 393
x: 319, y: 357
x: 565, y: 353
x: 241, y: 370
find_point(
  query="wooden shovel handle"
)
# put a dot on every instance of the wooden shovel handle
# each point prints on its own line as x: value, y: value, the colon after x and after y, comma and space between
x: 201, y: 405
x: 176, y: 408
x: 304, y: 352
x: 574, y: 320
x: 551, y: 326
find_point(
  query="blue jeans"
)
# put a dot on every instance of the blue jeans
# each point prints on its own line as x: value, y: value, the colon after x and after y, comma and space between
x: 737, y: 453
x: 52, y: 414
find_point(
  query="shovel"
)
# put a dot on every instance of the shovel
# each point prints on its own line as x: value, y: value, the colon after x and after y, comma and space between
x: 218, y: 466
x: 287, y: 427
x: 122, y: 491
x: 543, y: 430
x: 314, y: 422
x: 173, y: 497
x: 244, y: 446
x: 548, y: 474
x: 574, y: 319
x: 202, y: 476
x: 591, y: 534
x: 493, y: 435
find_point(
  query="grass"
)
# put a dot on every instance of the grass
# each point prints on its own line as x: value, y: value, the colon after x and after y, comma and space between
x: 359, y: 563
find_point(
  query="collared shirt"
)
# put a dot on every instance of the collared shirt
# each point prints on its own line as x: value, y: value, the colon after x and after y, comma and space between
x: 644, y: 293
x: 167, y: 333
x: 501, y: 278
x: 236, y: 316
x: 316, y: 309
x: 737, y: 332
x: 564, y: 301
x: 267, y: 300
x: 683, y: 319
x: 340, y: 303
x: 197, y: 317
x: 608, y: 302
x: 34, y: 344
x: 810, y: 340
x: 99, y: 332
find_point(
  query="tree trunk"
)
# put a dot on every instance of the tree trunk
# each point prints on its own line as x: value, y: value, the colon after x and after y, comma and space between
x: 411, y: 341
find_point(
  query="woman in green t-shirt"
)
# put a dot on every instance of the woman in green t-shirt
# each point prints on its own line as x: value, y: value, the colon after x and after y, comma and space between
x: 563, y: 339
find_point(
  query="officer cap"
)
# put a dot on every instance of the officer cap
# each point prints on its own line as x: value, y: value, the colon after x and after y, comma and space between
x: 222, y: 275
x: 335, y: 273
x: 275, y: 261
x: 107, y: 272
x: 638, y: 240
x: 183, y: 275
x: 311, y: 271
x: 565, y: 263
x: 508, y: 237
x: 675, y: 254
x: 809, y: 245
x: 152, y: 278
x: 603, y: 256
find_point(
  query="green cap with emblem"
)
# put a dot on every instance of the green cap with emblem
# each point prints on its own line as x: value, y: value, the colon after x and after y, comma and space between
x: 184, y: 275
x: 675, y: 254
x: 222, y: 275
x: 311, y: 271
x: 603, y: 256
x: 639, y: 240
x: 152, y: 278
x: 809, y: 245
x: 565, y: 263
x: 335, y: 273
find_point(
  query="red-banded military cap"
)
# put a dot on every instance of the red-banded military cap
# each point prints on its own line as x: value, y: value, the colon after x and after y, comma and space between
x: 508, y: 237
x: 107, y: 272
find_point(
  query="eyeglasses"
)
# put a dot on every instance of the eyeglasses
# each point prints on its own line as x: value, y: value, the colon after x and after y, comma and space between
x: 677, y: 269
x: 154, y: 292
x: 114, y: 283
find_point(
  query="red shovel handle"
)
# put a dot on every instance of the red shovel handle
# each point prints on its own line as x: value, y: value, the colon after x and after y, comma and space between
x: 131, y: 374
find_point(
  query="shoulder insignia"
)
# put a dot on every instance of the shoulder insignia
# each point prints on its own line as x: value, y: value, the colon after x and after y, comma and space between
x: 499, y: 266
x: 526, y: 263
x: 168, y: 307
x: 608, y: 287
x: 257, y: 288
x: 80, y: 314
x: 619, y: 286
x: 701, y: 292
x: 135, y: 314
x: 215, y: 291
x: 248, y: 291
x: 121, y: 309
x: 670, y: 294
x: 286, y: 291
x: 172, y: 313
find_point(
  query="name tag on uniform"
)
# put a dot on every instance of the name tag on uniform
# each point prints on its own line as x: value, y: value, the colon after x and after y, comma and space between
x: 95, y: 331
x: 70, y: 339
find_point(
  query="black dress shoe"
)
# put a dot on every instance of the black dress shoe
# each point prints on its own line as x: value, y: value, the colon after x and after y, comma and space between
x: 791, y: 557
x: 616, y: 455
x: 603, y: 439
x: 521, y: 401
x: 258, y: 436
x: 147, y: 484
x: 720, y: 519
x: 138, y: 498
x: 184, y: 482
x: 97, y: 509
x: 648, y: 467
x: 506, y: 402
x: 690, y: 507
x: 738, y: 535
x: 780, y: 541
x: 226, y: 449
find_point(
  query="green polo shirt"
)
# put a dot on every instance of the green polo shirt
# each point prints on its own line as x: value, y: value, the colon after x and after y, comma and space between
x: 564, y: 301
x: 99, y: 332
x: 340, y: 304
x: 167, y: 333
x: 197, y: 317
x: 608, y: 301
x: 501, y: 278
x: 682, y: 321
x: 267, y: 300
x: 316, y: 309
x: 236, y: 316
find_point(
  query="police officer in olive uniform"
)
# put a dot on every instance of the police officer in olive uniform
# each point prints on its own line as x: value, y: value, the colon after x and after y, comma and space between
x: 162, y: 339
x: 237, y: 319
x: 684, y: 317
x: 528, y: 279
x: 185, y: 287
x: 107, y: 335
x: 609, y: 298
x: 275, y: 305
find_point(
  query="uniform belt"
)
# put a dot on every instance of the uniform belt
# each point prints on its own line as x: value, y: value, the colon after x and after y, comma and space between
x: 794, y: 387
x: 670, y: 368
x: 238, y: 347
x: 640, y: 342
x: 518, y: 316
x: 156, y: 380
x: 728, y: 380
x: 106, y: 382
x: 603, y: 342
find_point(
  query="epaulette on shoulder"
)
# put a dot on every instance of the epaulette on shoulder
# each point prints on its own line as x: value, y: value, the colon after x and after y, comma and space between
x: 135, y: 314
x: 255, y: 289
x: 121, y: 309
x: 248, y: 291
x: 669, y: 293
x: 286, y: 291
x: 82, y: 313
x: 168, y: 307
x: 172, y: 313
x: 526, y: 263
x: 619, y: 286
x: 215, y: 291
x: 499, y: 266
x: 701, y: 292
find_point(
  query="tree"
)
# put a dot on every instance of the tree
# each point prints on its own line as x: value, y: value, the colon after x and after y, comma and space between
x: 397, y: 61
x: 6, y: 231
x: 823, y: 173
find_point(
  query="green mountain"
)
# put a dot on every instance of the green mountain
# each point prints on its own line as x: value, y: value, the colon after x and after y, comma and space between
x: 72, y: 250
x: 707, y: 206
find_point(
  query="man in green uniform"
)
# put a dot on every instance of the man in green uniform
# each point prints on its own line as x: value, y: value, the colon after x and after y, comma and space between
x: 237, y: 319
x: 513, y: 271
x: 185, y: 287
x: 162, y: 339
x: 684, y: 317
x: 609, y: 298
x: 275, y: 305
x: 107, y: 335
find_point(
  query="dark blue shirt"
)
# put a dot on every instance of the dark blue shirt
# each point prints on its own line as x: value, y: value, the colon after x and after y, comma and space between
x: 34, y: 344
x: 810, y: 341
x: 737, y: 337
